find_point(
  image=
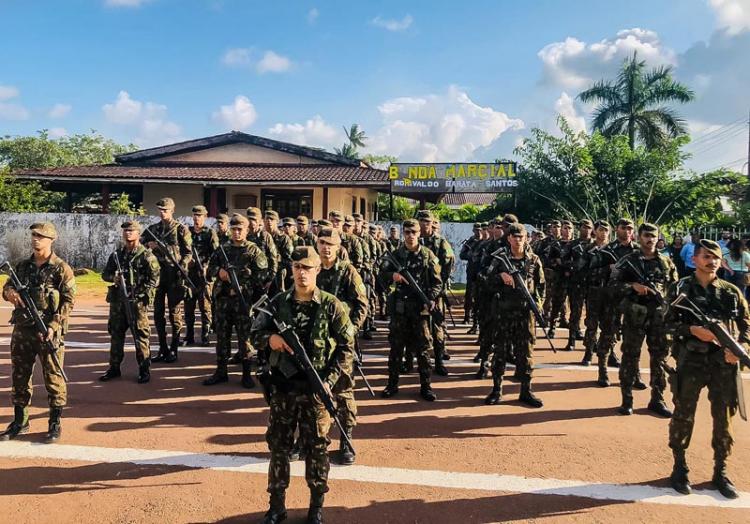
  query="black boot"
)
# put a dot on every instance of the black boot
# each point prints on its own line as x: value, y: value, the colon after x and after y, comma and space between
x: 603, y: 380
x: 721, y: 482
x: 440, y: 368
x: 482, y: 371
x: 205, y: 330
x: 408, y: 365
x: 163, y: 349
x: 527, y: 397
x: 613, y: 361
x: 473, y: 330
x: 277, y: 511
x: 496, y: 395
x: 446, y: 355
x: 112, y: 372
x: 219, y: 376
x: 551, y: 332
x: 571, y: 345
x: 391, y: 389
x: 586, y: 360
x: 144, y: 373
x: 426, y: 392
x: 578, y: 334
x: 346, y: 456
x: 315, y: 511
x: 189, y: 337
x: 627, y: 403
x: 639, y: 384
x: 236, y: 358
x: 658, y: 406
x: 55, y: 426
x: 679, y: 477
x: 18, y: 426
x: 173, y: 347
x: 247, y: 375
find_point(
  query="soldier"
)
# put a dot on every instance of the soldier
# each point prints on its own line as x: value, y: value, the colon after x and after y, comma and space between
x: 284, y: 247
x: 410, y: 319
x: 289, y: 228
x: 484, y: 296
x: 393, y: 240
x: 314, y: 228
x: 52, y: 287
x: 264, y: 241
x: 466, y: 254
x: 141, y: 271
x: 442, y: 249
x: 340, y: 279
x: 304, y: 231
x: 380, y: 289
x: 514, y: 336
x: 371, y: 249
x: 172, y: 286
x: 702, y: 363
x: 349, y: 242
x: 222, y: 228
x: 250, y: 266
x: 643, y: 278
x: 323, y: 326
x: 597, y: 279
x: 205, y: 242
x: 558, y: 287
x: 543, y: 251
x: 574, y: 270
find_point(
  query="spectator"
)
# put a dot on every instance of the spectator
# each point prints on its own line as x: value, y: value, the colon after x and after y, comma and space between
x: 687, y: 252
x: 736, y: 263
x: 675, y: 250
x: 663, y: 248
x: 726, y: 236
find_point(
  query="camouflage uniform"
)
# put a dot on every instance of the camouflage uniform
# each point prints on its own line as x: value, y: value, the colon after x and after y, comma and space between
x: 393, y: 243
x: 225, y: 236
x: 325, y: 330
x: 466, y: 254
x: 643, y: 317
x: 558, y: 288
x: 205, y: 242
x: 354, y: 250
x: 171, y: 287
x: 574, y: 270
x: 597, y: 297
x: 141, y: 271
x: 483, y: 299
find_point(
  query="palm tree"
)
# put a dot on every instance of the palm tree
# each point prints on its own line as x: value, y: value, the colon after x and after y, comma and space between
x: 355, y: 136
x: 347, y: 150
x: 631, y: 105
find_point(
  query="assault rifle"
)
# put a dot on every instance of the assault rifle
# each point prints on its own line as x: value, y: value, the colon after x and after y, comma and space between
x: 33, y: 313
x: 173, y: 260
x: 642, y: 278
x: 234, y: 281
x: 128, y: 299
x: 435, y: 313
x: 302, y: 361
x: 203, y: 283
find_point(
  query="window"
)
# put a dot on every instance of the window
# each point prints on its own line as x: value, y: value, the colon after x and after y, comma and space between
x: 244, y: 201
x: 288, y: 203
x: 354, y: 204
x: 363, y: 207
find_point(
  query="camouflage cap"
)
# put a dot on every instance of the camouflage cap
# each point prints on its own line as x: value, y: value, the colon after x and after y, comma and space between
x: 200, y: 210
x: 477, y: 225
x: 45, y: 229
x: 253, y: 213
x: 270, y: 213
x: 357, y: 217
x: 601, y: 223
x: 409, y: 222
x: 165, y: 203
x: 238, y: 220
x: 485, y: 225
x: 554, y: 223
x: 712, y: 247
x: 302, y: 219
x: 586, y: 223
x: 566, y: 223
x: 335, y: 215
x: 648, y: 228
x: 625, y: 222
x: 306, y: 256
x: 394, y: 228
x: 131, y: 225
x: 324, y: 223
x: 374, y: 227
x: 516, y: 228
x: 328, y: 235
x: 425, y: 214
x: 510, y: 218
x: 288, y: 221
x: 349, y: 220
x: 222, y: 218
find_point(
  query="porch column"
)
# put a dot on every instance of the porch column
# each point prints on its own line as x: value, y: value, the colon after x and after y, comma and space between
x: 105, y: 198
x: 325, y: 202
x: 213, y: 201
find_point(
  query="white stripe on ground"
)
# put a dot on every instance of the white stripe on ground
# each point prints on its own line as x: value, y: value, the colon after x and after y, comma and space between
x: 437, y: 479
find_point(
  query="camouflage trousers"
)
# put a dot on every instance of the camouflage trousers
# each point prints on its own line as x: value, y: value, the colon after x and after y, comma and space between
x: 558, y: 292
x: 469, y: 297
x: 25, y: 346
x: 287, y: 411
x: 173, y: 291
x: 413, y: 334
x: 576, y: 296
x: 609, y: 324
x: 202, y: 298
x: 486, y: 321
x: 346, y: 406
x: 639, y: 322
x: 696, y: 372
x: 513, y: 340
x: 228, y: 319
x: 596, y: 310
x: 117, y: 327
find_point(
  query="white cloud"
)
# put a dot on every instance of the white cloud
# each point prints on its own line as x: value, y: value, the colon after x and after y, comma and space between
x: 732, y: 15
x: 148, y: 120
x: 237, y: 57
x: 565, y: 106
x: 573, y: 64
x: 273, y: 63
x: 239, y: 115
x: 125, y: 3
x: 392, y: 24
x: 248, y: 57
x: 312, y: 15
x: 59, y: 110
x: 13, y: 112
x: 57, y: 132
x: 8, y: 92
x: 315, y: 132
x: 438, y: 127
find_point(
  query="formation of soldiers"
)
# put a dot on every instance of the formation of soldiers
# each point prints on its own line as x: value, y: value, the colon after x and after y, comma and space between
x: 275, y: 284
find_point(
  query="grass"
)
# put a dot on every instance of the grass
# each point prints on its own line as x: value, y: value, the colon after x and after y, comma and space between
x: 90, y: 284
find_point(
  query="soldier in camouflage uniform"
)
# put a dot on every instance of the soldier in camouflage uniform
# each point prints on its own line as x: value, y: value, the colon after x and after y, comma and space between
x: 643, y: 316
x: 251, y: 268
x: 222, y: 228
x: 52, y: 287
x: 371, y: 249
x: 597, y: 279
x: 172, y: 287
x: 393, y: 240
x: 544, y: 251
x: 410, y: 319
x: 205, y: 242
x: 289, y: 228
x: 284, y: 248
x: 322, y: 324
x: 339, y: 278
x: 574, y: 271
x: 558, y: 287
x: 380, y: 288
x: 513, y: 332
x: 141, y: 272
x: 305, y: 233
x: 264, y: 241
x: 466, y: 254
x: 350, y: 244
x: 484, y: 296
x: 701, y: 362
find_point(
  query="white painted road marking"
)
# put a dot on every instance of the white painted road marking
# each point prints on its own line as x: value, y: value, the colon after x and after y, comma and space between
x: 429, y: 478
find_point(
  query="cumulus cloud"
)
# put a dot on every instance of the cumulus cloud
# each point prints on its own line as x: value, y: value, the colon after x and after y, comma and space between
x: 273, y: 63
x: 733, y: 16
x: 573, y: 64
x: 11, y: 110
x: 148, y: 120
x: 565, y: 106
x: 59, y: 111
x: 249, y: 58
x: 237, y: 57
x: 438, y: 127
x: 8, y: 92
x: 391, y: 24
x: 315, y: 132
x: 238, y: 115
x: 312, y: 15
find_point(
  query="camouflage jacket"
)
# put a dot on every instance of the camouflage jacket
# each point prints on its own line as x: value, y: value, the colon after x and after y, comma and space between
x: 393, y: 243
x: 284, y: 247
x: 354, y: 250
x: 141, y: 270
x: 530, y: 268
x: 266, y: 244
x: 370, y: 247
x: 223, y: 237
x: 52, y: 287
x: 601, y: 260
x: 250, y: 264
x: 544, y: 250
x: 308, y: 239
x: 423, y: 266
x: 574, y: 258
x: 442, y: 249
x: 177, y: 238
x: 205, y: 243
x: 342, y: 281
x: 660, y: 271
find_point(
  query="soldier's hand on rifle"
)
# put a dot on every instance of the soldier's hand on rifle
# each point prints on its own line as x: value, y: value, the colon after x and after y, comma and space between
x: 398, y: 279
x: 507, y: 279
x: 14, y: 298
x: 730, y: 358
x: 277, y: 343
x: 50, y: 334
x: 641, y: 289
x: 702, y: 334
x: 224, y: 275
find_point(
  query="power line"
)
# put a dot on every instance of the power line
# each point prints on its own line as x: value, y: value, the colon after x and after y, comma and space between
x: 719, y: 135
x: 718, y: 142
x: 705, y: 134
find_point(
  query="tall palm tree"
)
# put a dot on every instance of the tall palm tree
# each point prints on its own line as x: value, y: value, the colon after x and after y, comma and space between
x: 631, y: 105
x: 355, y: 136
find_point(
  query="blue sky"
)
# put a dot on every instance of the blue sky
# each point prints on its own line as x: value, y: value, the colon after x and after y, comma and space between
x: 428, y: 81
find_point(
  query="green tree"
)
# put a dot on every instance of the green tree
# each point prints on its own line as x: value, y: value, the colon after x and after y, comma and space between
x: 356, y: 139
x: 121, y: 205
x: 26, y: 197
x: 379, y: 161
x: 631, y: 105
x: 402, y: 207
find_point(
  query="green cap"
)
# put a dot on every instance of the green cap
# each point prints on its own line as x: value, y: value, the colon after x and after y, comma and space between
x: 200, y: 210
x: 586, y: 222
x: 357, y: 217
x: 222, y: 218
x: 329, y: 236
x: 566, y: 223
x: 302, y: 219
x: 253, y: 213
x: 510, y: 218
x: 409, y: 222
x: 648, y: 228
x: 238, y: 220
x: 349, y: 220
x: 601, y: 223
x: 165, y: 203
x: 45, y: 229
x: 324, y: 223
x: 131, y: 225
x: 270, y: 213
x: 288, y: 221
x: 425, y: 214
x: 710, y: 246
x: 625, y: 222
x: 554, y: 223
x: 306, y: 255
x: 516, y: 229
x: 335, y: 215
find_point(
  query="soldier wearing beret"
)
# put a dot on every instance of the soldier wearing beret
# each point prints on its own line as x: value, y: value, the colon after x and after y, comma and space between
x: 701, y: 362
x: 222, y: 228
x: 205, y: 242
x: 141, y: 272
x: 322, y: 324
x: 643, y: 278
x: 574, y: 271
x: 172, y: 288
x: 52, y: 287
x: 284, y: 248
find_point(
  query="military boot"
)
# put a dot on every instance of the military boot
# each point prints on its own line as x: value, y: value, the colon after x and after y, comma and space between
x: 440, y: 368
x: 315, y: 511
x: 639, y: 384
x: 679, y: 477
x: 478, y: 356
x: 173, y: 347
x: 658, y: 406
x: 161, y: 356
x: 391, y: 389
x: 579, y: 334
x: 346, y: 457
x: 425, y: 390
x: 18, y: 426
x: 219, y: 376
x: 483, y: 369
x: 496, y: 395
x: 112, y: 372
x: 627, y: 402
x: 527, y: 397
x: 236, y: 358
x: 613, y: 361
x: 55, y: 426
x: 603, y: 380
x: 144, y: 373
x: 473, y: 330
x: 247, y: 375
x: 571, y: 345
x: 189, y: 337
x: 205, y: 330
x: 277, y: 511
x: 721, y: 482
x: 586, y: 360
